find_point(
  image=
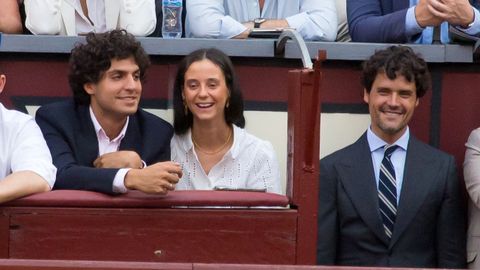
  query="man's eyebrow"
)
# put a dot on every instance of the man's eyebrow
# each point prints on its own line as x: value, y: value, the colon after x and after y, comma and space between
x: 122, y: 71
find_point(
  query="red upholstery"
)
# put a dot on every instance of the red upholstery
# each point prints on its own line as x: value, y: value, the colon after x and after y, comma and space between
x: 197, y: 198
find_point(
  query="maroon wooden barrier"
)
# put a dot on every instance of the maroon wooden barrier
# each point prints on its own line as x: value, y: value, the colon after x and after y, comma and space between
x: 183, y: 226
x: 12, y: 264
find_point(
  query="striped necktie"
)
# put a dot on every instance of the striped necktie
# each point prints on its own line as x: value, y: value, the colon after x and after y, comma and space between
x: 387, y: 191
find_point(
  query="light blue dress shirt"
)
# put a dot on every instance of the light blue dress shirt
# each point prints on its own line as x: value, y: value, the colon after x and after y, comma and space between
x: 313, y: 19
x: 398, y: 157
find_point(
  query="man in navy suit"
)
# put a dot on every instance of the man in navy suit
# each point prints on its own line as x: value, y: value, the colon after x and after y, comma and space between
x: 101, y: 141
x: 409, y: 21
x: 400, y: 208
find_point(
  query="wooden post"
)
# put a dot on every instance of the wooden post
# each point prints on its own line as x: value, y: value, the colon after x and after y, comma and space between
x: 303, y: 155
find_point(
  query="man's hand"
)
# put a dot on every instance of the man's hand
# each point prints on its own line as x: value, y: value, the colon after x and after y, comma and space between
x: 455, y: 12
x: 119, y: 159
x: 424, y: 16
x: 158, y: 178
x: 244, y: 34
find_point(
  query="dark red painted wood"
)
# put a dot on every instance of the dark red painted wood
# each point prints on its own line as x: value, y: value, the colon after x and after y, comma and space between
x: 461, y: 109
x: 15, y: 264
x: 164, y: 235
x: 303, y: 154
x: 4, y: 233
x: 19, y: 264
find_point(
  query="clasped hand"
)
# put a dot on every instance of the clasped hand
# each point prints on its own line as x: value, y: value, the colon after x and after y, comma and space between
x: 158, y: 178
x: 434, y: 12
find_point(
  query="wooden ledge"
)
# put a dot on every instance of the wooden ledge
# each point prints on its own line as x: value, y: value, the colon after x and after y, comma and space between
x: 136, y: 199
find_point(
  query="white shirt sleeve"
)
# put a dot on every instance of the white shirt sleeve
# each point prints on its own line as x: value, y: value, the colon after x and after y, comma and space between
x: 317, y: 20
x: 208, y: 19
x: 30, y: 152
x: 119, y: 181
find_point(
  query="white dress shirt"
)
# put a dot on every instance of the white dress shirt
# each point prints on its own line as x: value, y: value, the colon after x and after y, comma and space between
x: 22, y: 146
x: 250, y: 163
x: 313, y: 19
x: 105, y: 146
x: 398, y: 157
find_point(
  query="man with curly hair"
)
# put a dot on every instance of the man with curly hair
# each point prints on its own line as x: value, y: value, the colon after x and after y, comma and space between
x: 101, y: 141
x: 389, y: 199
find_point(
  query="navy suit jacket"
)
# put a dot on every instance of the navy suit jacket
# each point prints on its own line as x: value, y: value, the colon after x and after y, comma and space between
x: 379, y: 21
x: 70, y: 135
x: 430, y: 226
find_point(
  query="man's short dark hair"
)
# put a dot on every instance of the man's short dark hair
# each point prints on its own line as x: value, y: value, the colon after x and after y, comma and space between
x: 394, y: 61
x: 90, y: 60
x: 234, y: 112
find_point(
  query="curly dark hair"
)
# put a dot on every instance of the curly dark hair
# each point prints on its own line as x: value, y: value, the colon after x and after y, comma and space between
x: 90, y: 60
x: 234, y: 112
x: 394, y: 61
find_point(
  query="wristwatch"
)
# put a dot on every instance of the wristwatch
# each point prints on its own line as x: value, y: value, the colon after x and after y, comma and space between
x: 258, y: 21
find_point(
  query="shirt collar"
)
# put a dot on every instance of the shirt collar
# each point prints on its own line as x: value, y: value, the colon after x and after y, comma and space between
x: 101, y: 133
x: 375, y: 142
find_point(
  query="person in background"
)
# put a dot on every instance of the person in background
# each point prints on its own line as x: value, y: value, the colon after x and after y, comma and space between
x: 471, y: 174
x: 410, y: 21
x: 389, y: 199
x: 313, y: 19
x: 210, y: 144
x: 100, y: 140
x: 343, y: 34
x: 25, y: 161
x: 10, y: 19
x: 79, y: 17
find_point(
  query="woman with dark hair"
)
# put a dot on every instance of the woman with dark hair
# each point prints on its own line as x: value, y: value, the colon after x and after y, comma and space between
x: 210, y: 143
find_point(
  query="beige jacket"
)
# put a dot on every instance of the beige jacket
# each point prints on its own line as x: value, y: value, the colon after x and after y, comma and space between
x: 57, y: 17
x: 471, y: 171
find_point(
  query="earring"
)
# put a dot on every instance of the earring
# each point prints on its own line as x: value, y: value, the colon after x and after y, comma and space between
x: 227, y: 104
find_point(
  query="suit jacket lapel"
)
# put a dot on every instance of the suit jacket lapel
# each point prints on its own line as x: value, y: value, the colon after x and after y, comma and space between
x: 67, y: 9
x: 86, y: 137
x: 416, y: 184
x: 358, y: 179
x: 133, y: 139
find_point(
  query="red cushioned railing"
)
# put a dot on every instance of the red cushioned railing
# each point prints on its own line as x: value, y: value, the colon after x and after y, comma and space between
x: 136, y: 199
